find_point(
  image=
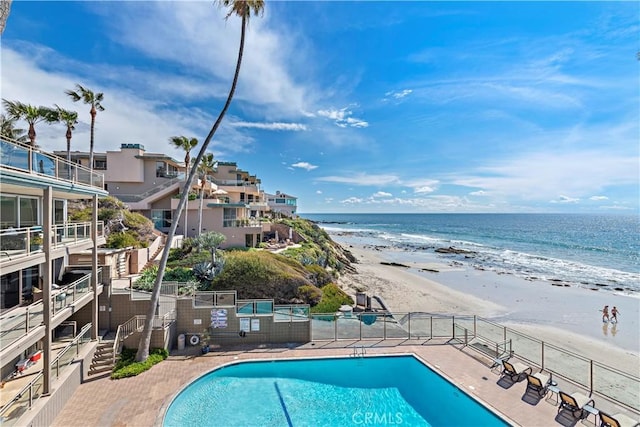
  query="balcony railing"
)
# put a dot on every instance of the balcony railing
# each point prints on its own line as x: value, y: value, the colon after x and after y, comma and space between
x: 24, y: 157
x: 490, y: 338
x: 234, y: 183
x: 243, y: 222
x: 15, y: 242
x: 26, y: 397
x: 22, y: 320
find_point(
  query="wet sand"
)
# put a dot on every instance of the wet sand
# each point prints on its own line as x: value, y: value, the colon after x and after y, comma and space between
x: 567, y: 316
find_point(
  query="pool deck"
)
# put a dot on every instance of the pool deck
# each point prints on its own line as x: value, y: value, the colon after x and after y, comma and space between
x: 140, y: 401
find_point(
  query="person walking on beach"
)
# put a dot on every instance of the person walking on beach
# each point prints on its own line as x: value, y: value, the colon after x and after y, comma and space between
x: 605, y: 314
x: 614, y: 314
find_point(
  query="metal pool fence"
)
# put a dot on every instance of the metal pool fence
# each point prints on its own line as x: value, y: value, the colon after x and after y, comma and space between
x: 492, y: 339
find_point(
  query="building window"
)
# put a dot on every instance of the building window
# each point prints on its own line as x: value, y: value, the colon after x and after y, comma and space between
x: 8, y: 211
x: 229, y: 217
x: 161, y: 218
x: 161, y: 169
x: 100, y: 164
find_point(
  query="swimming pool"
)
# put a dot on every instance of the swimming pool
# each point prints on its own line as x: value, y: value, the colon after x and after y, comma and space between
x: 374, y: 390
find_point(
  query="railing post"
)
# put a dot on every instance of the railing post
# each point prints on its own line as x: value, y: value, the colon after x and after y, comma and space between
x: 26, y: 323
x: 360, y: 324
x: 335, y: 327
x: 475, y: 325
x: 466, y: 338
x: 590, y: 377
x: 409, y: 325
x: 542, y: 354
x: 504, y: 333
x: 431, y: 327
x: 453, y: 326
x: 384, y: 329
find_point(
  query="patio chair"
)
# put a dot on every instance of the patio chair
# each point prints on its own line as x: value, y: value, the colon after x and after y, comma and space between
x: 539, y: 382
x: 618, y: 420
x: 515, y: 371
x: 575, y: 403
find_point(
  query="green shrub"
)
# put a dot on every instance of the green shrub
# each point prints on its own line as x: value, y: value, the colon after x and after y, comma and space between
x: 332, y: 298
x: 107, y: 214
x: 147, y: 278
x: 122, y: 240
x: 128, y: 367
x: 81, y: 215
x: 178, y: 274
x: 320, y: 276
x: 309, y: 294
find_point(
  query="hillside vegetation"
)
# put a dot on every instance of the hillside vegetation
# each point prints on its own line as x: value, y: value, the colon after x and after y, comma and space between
x: 305, y: 274
x: 122, y: 227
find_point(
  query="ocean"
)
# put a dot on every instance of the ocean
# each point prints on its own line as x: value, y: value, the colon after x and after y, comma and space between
x: 586, y: 250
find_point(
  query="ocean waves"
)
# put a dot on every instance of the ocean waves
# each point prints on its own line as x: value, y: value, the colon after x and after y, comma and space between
x: 564, y: 249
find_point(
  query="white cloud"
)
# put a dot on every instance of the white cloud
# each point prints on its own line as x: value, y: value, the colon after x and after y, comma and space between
x: 424, y: 189
x: 565, y: 199
x: 596, y: 198
x: 382, y: 194
x: 351, y: 201
x: 478, y: 193
x: 304, y: 165
x: 198, y: 38
x: 399, y: 94
x: 422, y: 185
x: 342, y: 118
x: 542, y: 175
x: 361, y: 179
x: 270, y: 126
x: 318, y: 191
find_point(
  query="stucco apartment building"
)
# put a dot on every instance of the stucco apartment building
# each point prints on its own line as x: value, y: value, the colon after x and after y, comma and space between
x: 47, y: 307
x: 150, y: 183
x: 63, y: 317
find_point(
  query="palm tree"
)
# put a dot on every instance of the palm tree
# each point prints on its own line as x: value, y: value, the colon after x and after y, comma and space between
x: 187, y: 145
x: 205, y: 168
x: 244, y: 9
x: 5, y: 7
x: 210, y: 242
x: 31, y: 114
x: 8, y: 129
x: 69, y: 119
x: 88, y: 97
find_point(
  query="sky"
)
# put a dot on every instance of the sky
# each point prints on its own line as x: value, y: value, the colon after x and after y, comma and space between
x: 356, y: 107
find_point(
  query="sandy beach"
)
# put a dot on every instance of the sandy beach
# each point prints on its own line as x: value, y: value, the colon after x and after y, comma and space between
x: 565, y: 316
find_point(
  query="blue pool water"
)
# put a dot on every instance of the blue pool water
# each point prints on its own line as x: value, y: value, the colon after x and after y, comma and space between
x: 391, y: 390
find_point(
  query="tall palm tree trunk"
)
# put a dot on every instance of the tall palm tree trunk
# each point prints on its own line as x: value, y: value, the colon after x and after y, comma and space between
x: 93, y: 123
x: 68, y: 135
x: 200, y: 208
x: 145, y: 339
x: 32, y: 139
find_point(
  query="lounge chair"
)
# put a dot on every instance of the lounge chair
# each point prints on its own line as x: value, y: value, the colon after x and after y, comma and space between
x: 515, y: 371
x: 539, y: 382
x: 575, y: 403
x: 618, y: 420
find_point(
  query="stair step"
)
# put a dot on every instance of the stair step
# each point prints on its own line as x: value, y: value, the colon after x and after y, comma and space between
x: 99, y: 363
x: 93, y: 371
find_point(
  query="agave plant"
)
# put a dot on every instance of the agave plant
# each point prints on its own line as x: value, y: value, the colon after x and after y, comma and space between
x: 204, y: 271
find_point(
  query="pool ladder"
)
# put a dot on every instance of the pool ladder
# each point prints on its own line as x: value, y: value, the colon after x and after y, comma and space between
x: 361, y: 353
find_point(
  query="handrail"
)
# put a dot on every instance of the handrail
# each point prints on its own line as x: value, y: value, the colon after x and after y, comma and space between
x: 31, y: 387
x: 136, y: 323
x: 27, y: 240
x: 25, y: 157
x: 604, y: 380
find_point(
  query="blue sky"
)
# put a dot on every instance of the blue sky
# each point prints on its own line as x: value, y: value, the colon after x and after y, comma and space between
x: 359, y: 106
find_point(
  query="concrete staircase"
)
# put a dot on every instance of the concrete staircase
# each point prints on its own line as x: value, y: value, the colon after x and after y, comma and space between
x: 154, y: 258
x: 102, y: 359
